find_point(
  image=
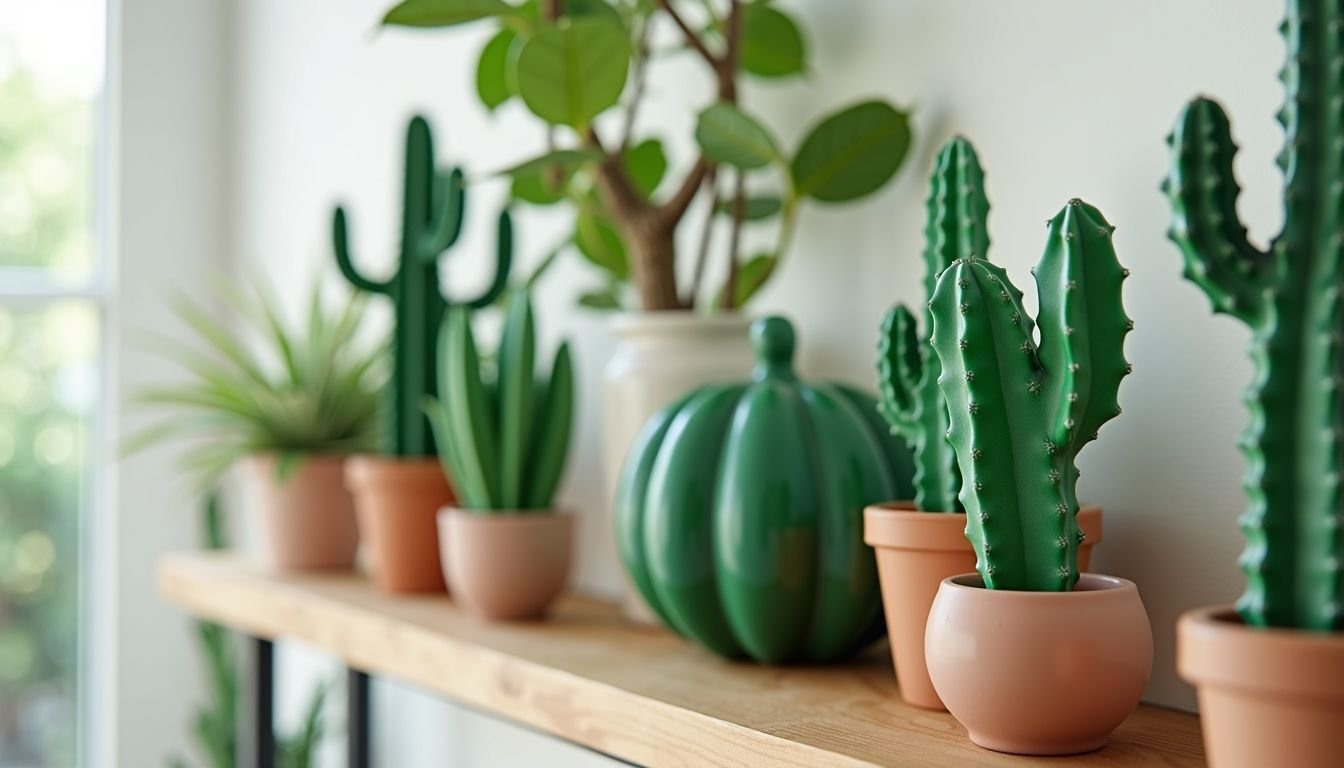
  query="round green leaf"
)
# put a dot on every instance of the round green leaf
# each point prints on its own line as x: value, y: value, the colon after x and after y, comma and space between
x: 646, y: 162
x: 539, y: 190
x: 772, y: 45
x: 601, y: 244
x: 606, y: 299
x: 563, y: 159
x: 852, y: 153
x: 751, y: 276
x: 728, y: 135
x: 571, y: 73
x: 444, y: 13
x: 756, y: 208
x: 492, y: 70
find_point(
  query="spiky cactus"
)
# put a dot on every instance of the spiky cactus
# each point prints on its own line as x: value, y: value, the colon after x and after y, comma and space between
x: 1021, y: 412
x: 503, y: 442
x: 1289, y: 296
x: 433, y: 209
x: 907, y: 368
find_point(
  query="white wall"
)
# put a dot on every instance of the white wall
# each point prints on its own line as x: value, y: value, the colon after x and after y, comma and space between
x: 1063, y: 99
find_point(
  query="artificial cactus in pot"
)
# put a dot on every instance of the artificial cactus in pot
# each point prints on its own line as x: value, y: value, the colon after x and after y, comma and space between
x: 398, y: 494
x: 1020, y: 411
x: 1285, y: 639
x: 916, y: 551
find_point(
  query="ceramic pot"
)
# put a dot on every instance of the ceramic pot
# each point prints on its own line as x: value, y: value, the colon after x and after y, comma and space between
x: 1266, y: 696
x: 505, y: 566
x: 1039, y: 673
x: 915, y: 552
x: 658, y: 358
x: 396, y: 501
x: 307, y: 517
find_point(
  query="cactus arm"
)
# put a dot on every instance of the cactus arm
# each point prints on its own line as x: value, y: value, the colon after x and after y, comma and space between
x: 469, y: 414
x: 341, y: 243
x: 554, y: 422
x: 516, y: 381
x: 958, y: 211
x: 1203, y: 192
x: 503, y: 263
x: 1083, y: 324
x: 449, y: 213
x: 898, y: 370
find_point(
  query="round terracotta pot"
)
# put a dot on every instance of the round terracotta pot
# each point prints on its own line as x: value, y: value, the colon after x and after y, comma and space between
x: 505, y: 565
x: 1267, y: 697
x: 395, y: 502
x: 915, y: 552
x: 307, y: 516
x: 1039, y: 673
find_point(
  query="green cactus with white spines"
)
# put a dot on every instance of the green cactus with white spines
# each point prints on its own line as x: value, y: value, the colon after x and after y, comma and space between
x: 433, y: 210
x: 907, y: 368
x: 1289, y: 296
x: 1020, y: 412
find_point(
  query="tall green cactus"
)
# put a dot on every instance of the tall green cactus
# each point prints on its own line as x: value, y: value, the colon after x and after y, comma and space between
x: 502, y: 442
x: 907, y: 368
x: 433, y: 210
x: 1289, y: 296
x: 1021, y: 412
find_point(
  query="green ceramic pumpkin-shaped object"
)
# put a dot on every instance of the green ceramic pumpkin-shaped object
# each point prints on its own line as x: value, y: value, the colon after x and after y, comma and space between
x: 740, y: 511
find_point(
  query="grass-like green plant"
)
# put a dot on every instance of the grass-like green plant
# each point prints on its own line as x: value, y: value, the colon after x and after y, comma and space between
x: 503, y: 440
x: 303, y: 390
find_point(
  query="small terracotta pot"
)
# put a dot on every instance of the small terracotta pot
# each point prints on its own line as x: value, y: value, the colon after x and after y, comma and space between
x: 1267, y: 697
x: 395, y: 502
x: 1039, y: 673
x: 505, y: 565
x: 308, y: 519
x: 915, y: 552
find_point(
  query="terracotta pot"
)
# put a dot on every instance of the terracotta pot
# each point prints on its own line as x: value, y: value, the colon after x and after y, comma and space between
x: 395, y: 502
x: 308, y: 519
x: 1267, y: 697
x: 505, y: 565
x: 915, y: 552
x: 1039, y: 673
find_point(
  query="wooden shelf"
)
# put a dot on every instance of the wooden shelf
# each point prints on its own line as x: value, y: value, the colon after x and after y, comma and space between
x: 637, y: 694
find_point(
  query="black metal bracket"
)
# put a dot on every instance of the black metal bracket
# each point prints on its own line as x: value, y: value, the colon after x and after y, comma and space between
x: 357, y: 718
x: 259, y: 740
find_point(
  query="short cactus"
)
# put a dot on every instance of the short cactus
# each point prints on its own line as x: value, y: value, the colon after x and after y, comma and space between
x: 432, y: 215
x: 1289, y: 296
x: 1020, y: 411
x: 907, y: 368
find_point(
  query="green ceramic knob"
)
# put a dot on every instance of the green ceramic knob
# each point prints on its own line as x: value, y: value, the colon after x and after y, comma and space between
x: 740, y: 511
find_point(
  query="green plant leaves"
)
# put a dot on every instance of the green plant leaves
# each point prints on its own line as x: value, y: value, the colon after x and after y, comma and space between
x: 646, y: 162
x: 851, y: 153
x: 445, y: 13
x: 563, y: 159
x: 728, y: 135
x: 492, y: 70
x: 603, y: 299
x: 756, y: 208
x: 772, y: 45
x: 751, y: 277
x: 601, y: 244
x: 571, y: 73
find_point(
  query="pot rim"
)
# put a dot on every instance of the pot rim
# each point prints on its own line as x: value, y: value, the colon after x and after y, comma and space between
x: 1093, y: 584
x: 1215, y: 648
x: 517, y: 517
x: 899, y: 525
x: 632, y: 324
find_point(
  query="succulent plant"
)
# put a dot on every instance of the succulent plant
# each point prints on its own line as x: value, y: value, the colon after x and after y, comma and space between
x: 433, y: 210
x: 503, y: 442
x: 1289, y: 296
x: 1020, y: 412
x: 907, y: 368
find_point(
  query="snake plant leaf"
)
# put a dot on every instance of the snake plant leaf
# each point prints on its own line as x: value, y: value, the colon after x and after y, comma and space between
x: 469, y: 412
x: 517, y: 364
x: 554, y: 421
x: 646, y: 162
x: 470, y: 487
x: 570, y: 73
x: 772, y: 45
x: 851, y: 153
x: 445, y: 13
x: 600, y: 243
x: 492, y: 70
x: 728, y: 135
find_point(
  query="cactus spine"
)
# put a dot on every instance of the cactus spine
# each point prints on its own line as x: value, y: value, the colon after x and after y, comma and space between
x: 1021, y: 412
x: 1289, y: 296
x: 907, y: 368
x: 432, y: 213
x: 502, y: 442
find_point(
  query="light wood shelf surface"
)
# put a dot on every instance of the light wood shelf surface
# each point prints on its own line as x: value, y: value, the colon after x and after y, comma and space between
x: 638, y: 694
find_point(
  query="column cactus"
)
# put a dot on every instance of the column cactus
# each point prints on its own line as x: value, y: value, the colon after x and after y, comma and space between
x: 433, y: 209
x: 907, y: 368
x: 1019, y: 411
x: 1289, y: 296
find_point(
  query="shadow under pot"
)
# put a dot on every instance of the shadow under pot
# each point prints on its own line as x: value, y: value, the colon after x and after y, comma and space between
x: 505, y: 565
x: 307, y: 516
x: 915, y: 552
x: 396, y: 501
x: 1266, y: 696
x: 1039, y: 673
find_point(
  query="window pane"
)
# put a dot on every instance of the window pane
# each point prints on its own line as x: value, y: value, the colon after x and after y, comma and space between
x: 48, y: 388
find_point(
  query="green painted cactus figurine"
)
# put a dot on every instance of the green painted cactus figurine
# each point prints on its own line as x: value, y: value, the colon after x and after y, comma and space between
x: 1020, y: 412
x: 1289, y: 296
x: 907, y: 368
x: 433, y: 210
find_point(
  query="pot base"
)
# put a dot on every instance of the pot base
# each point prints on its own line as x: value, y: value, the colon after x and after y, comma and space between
x: 1053, y: 749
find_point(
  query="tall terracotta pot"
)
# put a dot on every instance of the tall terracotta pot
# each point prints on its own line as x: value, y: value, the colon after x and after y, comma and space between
x: 658, y: 357
x: 396, y: 501
x: 505, y: 566
x: 1267, y: 697
x: 307, y: 518
x: 915, y: 552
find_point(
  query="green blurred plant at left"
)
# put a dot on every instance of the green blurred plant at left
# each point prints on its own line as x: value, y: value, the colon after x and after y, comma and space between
x: 301, y: 390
